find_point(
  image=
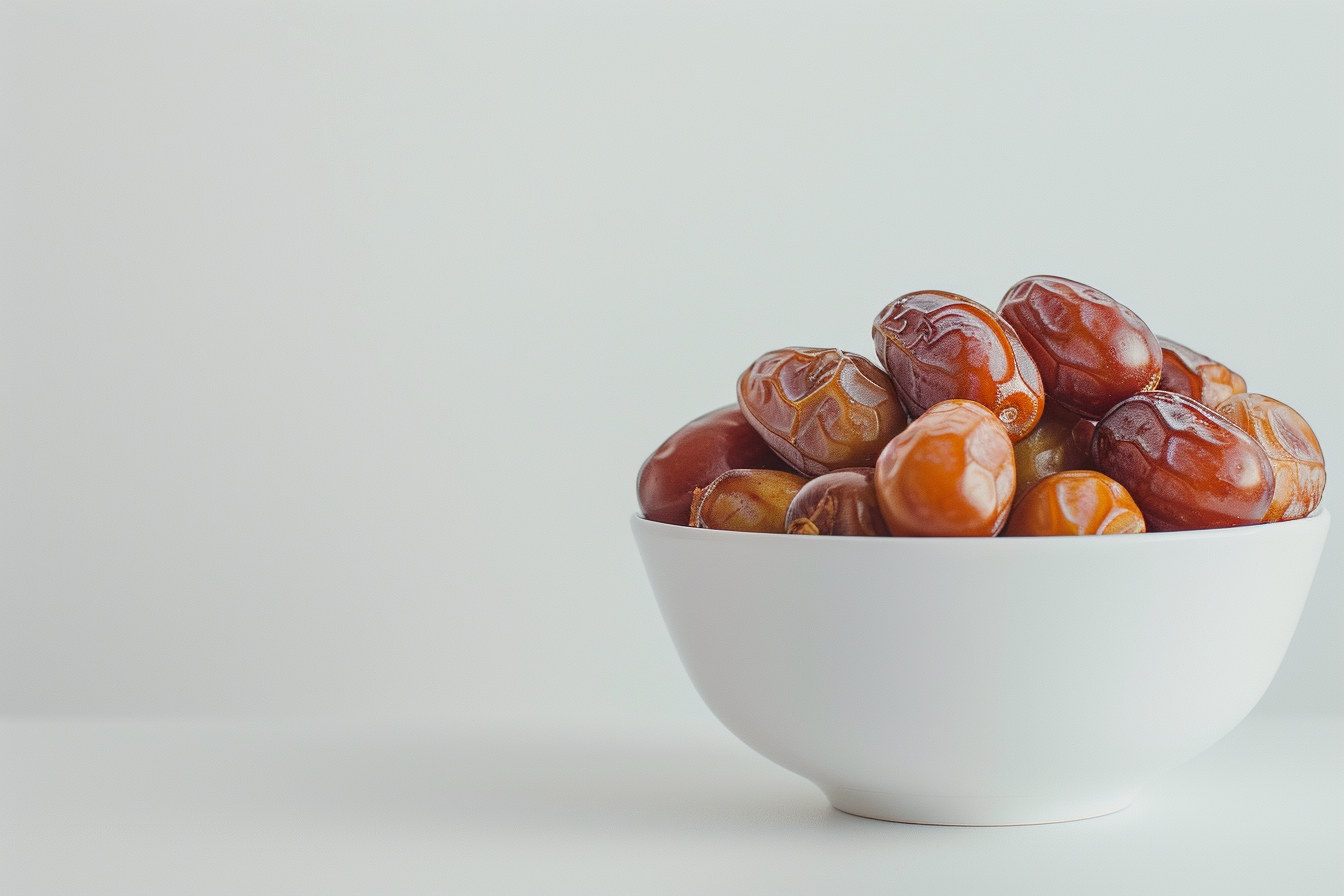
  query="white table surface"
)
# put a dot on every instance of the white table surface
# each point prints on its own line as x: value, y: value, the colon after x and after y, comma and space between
x: 289, y: 807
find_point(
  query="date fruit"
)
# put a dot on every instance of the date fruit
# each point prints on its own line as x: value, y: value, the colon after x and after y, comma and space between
x: 1049, y: 448
x: 820, y: 409
x: 746, y: 501
x: 939, y: 346
x: 1187, y: 372
x: 950, y: 473
x: 1075, y: 502
x: 842, y: 502
x: 1091, y: 350
x: 1082, y: 437
x: 1294, y: 452
x: 694, y: 455
x: 1186, y: 466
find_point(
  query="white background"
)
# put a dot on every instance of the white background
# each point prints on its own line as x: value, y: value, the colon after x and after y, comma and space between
x: 332, y: 336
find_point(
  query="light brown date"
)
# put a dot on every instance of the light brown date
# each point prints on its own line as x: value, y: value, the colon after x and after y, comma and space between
x: 1049, y: 448
x: 842, y: 502
x: 1075, y: 502
x: 1294, y: 452
x: 820, y: 409
x: 746, y: 501
x: 1091, y: 350
x: 950, y: 473
x: 1186, y: 466
x: 939, y: 346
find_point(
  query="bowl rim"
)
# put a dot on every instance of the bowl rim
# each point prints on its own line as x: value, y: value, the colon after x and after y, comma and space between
x: 1318, y: 517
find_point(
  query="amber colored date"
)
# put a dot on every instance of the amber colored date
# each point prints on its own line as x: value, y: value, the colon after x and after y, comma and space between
x: 1294, y: 452
x: 820, y: 409
x: 842, y: 502
x: 1075, y: 502
x: 746, y: 501
x: 1049, y: 448
x: 1091, y: 350
x: 694, y: 455
x: 1186, y: 466
x: 950, y: 473
x: 1082, y: 437
x: 939, y: 346
x: 1187, y: 372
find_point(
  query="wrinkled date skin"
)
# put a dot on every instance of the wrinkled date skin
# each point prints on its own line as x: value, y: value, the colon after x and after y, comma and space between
x: 1091, y: 350
x: 820, y: 409
x: 695, y: 455
x: 1294, y: 452
x: 939, y: 346
x: 1075, y: 502
x: 1186, y: 466
x: 842, y: 502
x: 746, y: 501
x: 950, y: 473
x: 1187, y: 372
x: 1050, y: 448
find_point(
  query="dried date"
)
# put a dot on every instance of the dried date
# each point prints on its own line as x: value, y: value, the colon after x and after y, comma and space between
x: 1186, y: 466
x: 939, y: 346
x: 950, y: 473
x: 746, y: 501
x: 694, y: 455
x: 1049, y: 448
x: 1187, y: 372
x: 842, y: 502
x: 1075, y: 502
x: 1091, y: 350
x: 820, y: 409
x: 1294, y: 452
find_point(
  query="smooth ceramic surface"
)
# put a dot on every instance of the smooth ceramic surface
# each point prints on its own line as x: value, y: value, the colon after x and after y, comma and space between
x: 986, y: 680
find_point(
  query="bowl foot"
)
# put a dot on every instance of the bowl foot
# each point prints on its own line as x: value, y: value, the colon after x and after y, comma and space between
x: 994, y: 810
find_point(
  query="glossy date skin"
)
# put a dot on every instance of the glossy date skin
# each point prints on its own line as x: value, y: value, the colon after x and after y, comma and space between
x: 820, y: 409
x: 1075, y: 502
x: 951, y: 473
x: 1050, y: 448
x: 1091, y: 351
x: 939, y: 346
x: 746, y: 501
x: 1082, y: 438
x: 842, y: 502
x: 1187, y: 372
x: 1294, y: 452
x: 696, y: 455
x: 1186, y: 466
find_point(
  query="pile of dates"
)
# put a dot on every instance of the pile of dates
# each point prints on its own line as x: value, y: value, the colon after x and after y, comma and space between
x: 1060, y: 413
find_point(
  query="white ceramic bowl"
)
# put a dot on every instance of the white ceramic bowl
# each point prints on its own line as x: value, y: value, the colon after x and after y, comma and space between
x: 982, y: 680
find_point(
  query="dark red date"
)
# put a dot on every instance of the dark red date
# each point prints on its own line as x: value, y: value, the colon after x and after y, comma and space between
x: 695, y: 456
x: 1186, y: 466
x: 1187, y: 372
x: 842, y: 502
x: 939, y: 346
x: 1091, y: 350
